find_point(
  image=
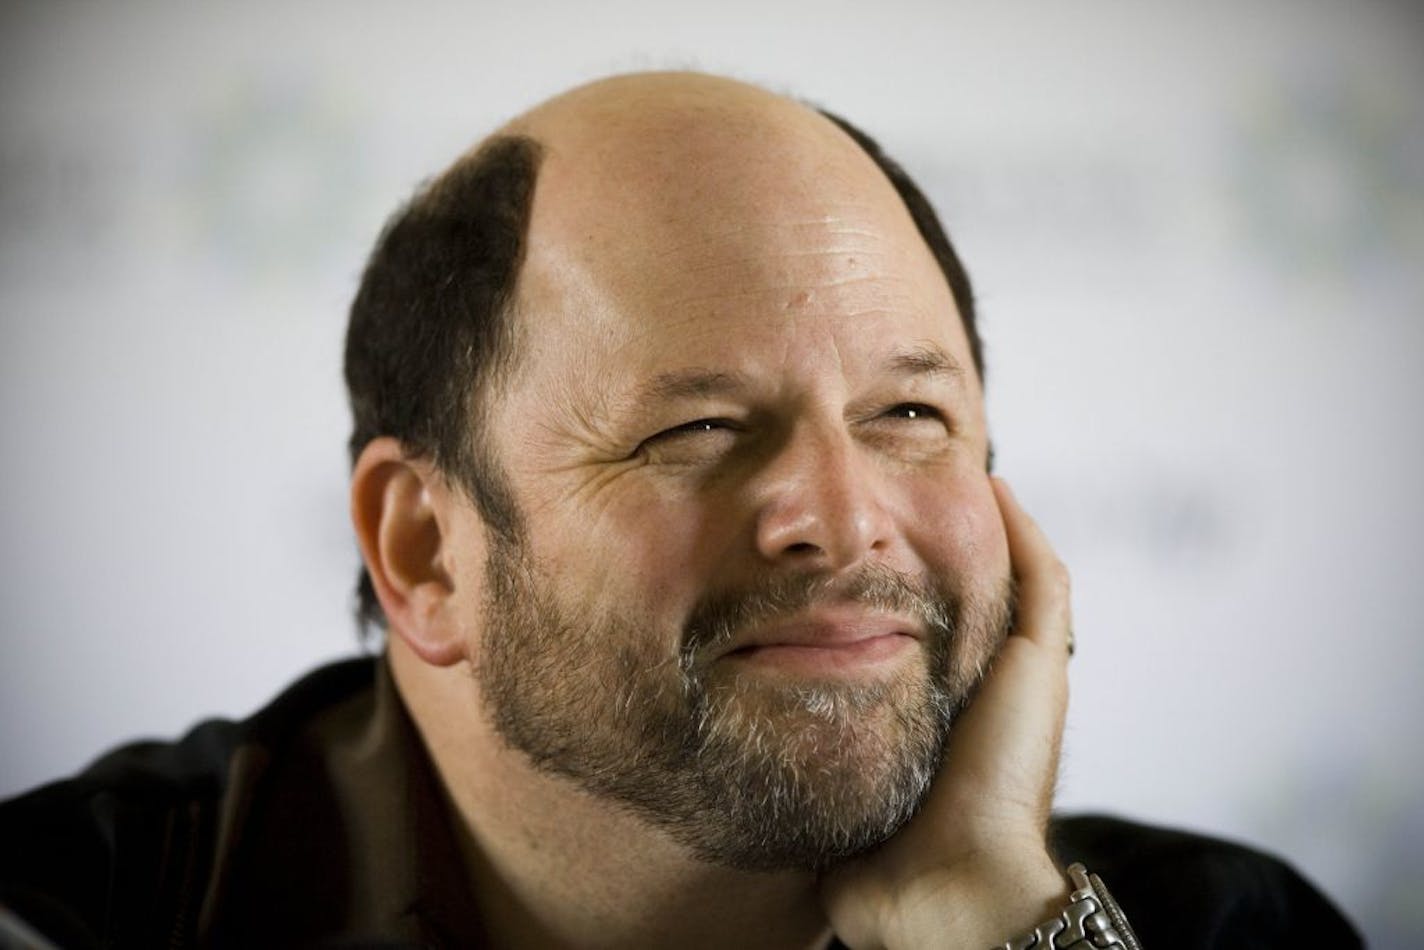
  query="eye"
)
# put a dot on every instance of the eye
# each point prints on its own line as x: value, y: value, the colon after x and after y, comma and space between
x: 908, y: 427
x: 695, y: 427
x: 913, y: 411
x: 691, y: 442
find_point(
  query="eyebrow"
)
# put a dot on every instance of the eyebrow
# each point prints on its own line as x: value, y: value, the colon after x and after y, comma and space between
x: 925, y: 359
x: 689, y: 384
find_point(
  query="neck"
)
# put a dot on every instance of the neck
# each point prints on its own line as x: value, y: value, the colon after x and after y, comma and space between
x: 550, y: 865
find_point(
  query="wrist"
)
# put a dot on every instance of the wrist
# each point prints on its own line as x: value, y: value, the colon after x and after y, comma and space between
x: 976, y: 904
x: 1090, y: 920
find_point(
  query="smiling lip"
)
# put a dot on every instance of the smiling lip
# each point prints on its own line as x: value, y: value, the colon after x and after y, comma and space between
x: 828, y: 641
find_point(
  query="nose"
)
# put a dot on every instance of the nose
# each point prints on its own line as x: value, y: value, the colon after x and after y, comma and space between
x: 821, y: 505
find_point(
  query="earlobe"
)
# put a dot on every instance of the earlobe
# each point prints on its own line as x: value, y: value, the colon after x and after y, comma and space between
x: 397, y: 509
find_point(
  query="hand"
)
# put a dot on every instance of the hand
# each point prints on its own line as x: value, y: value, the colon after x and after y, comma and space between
x: 972, y: 869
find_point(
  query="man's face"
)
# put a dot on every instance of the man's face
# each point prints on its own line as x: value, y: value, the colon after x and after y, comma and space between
x: 762, y: 565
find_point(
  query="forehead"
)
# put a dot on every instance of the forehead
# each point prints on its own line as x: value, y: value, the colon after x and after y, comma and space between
x: 747, y: 232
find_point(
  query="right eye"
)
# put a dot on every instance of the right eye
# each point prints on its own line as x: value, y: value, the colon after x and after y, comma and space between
x: 701, y: 440
x: 695, y: 426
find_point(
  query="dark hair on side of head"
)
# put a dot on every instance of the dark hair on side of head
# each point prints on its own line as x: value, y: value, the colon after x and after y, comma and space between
x: 430, y: 327
x: 928, y: 224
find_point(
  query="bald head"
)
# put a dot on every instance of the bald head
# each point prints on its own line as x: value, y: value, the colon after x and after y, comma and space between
x: 654, y: 192
x: 657, y: 146
x: 646, y: 176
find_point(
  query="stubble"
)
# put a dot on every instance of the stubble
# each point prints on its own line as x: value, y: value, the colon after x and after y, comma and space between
x: 747, y: 771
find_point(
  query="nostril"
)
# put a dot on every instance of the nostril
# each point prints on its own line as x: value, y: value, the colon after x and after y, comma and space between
x: 802, y: 547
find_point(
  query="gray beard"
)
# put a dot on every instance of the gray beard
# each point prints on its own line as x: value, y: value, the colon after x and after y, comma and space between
x: 746, y: 773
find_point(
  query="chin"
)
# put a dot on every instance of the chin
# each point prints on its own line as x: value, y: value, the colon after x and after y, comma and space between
x: 802, y: 776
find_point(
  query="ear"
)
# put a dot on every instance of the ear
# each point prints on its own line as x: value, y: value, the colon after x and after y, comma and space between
x: 402, y: 511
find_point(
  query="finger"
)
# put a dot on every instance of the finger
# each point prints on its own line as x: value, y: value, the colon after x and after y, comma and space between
x: 1044, y: 611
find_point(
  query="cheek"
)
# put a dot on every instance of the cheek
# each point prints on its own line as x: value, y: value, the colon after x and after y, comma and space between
x: 636, y: 554
x: 959, y: 533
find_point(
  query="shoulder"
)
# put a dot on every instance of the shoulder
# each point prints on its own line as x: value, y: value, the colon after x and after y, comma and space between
x: 130, y: 840
x: 1181, y: 889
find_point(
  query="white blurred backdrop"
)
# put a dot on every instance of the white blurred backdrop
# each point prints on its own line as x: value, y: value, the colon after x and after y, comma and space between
x: 1198, y: 237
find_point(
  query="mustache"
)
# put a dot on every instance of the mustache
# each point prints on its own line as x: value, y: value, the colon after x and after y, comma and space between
x: 717, y: 619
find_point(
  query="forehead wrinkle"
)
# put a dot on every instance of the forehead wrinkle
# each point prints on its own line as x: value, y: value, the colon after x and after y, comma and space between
x: 848, y: 275
x: 759, y: 242
x: 823, y: 225
x: 848, y: 297
x: 757, y: 258
x: 807, y: 285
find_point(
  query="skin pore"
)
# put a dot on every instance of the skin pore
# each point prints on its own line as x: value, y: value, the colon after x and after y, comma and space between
x: 741, y: 398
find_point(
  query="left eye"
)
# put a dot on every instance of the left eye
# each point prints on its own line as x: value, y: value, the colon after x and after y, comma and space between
x: 913, y: 410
